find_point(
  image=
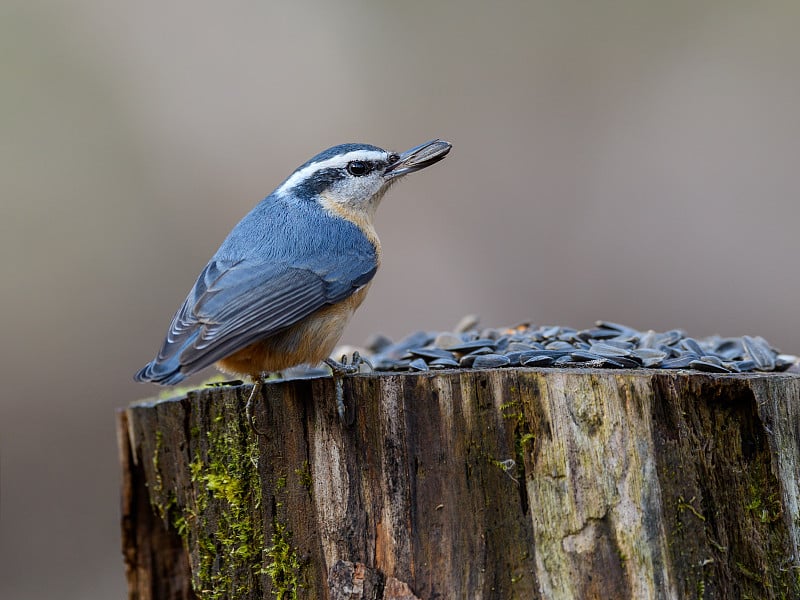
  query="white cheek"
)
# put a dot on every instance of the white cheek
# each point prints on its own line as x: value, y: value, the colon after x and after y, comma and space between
x: 357, y: 191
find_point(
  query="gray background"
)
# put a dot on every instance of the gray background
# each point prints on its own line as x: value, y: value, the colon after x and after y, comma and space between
x: 628, y: 161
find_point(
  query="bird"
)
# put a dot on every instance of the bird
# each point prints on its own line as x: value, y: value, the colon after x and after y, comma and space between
x: 289, y: 276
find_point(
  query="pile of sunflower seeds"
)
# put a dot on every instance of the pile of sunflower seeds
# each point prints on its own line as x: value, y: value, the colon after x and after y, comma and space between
x: 607, y: 345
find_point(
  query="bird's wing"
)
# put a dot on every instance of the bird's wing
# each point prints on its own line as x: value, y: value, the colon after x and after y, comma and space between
x: 234, y: 303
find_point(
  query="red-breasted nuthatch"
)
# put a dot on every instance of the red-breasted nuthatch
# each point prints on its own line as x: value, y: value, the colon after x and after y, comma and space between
x: 287, y: 279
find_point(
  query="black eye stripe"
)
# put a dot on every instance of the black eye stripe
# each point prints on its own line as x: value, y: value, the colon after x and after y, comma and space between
x: 325, y: 178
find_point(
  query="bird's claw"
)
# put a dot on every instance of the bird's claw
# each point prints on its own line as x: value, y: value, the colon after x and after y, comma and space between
x: 248, y: 409
x: 341, y: 368
x: 345, y: 367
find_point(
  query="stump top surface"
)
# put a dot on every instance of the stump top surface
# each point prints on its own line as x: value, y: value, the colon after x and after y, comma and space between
x: 632, y: 374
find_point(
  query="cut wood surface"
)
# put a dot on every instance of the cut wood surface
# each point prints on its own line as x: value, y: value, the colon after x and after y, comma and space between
x: 508, y: 483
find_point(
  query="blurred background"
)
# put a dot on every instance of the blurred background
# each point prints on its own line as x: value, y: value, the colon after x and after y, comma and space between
x: 628, y: 161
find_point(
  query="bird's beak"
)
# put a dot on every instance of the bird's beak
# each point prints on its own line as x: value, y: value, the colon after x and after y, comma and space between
x: 417, y: 158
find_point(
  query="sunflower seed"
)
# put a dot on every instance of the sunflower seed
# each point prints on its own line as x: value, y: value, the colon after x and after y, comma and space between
x: 729, y: 348
x: 444, y: 363
x: 711, y: 359
x: 467, y: 361
x: 446, y: 339
x: 583, y: 356
x: 784, y: 361
x: 691, y: 345
x: 431, y: 353
x: 745, y: 365
x: 491, y: 334
x: 628, y: 362
x: 467, y: 323
x: 519, y: 347
x: 760, y: 352
x: 418, y: 364
x: 623, y: 329
x: 681, y: 362
x: 650, y: 357
x: 598, y: 333
x: 490, y: 361
x: 467, y: 347
x: 709, y: 367
x: 648, y: 340
x: 538, y: 360
x: 551, y: 332
x: 668, y: 338
x: 607, y: 345
x: 515, y: 357
x: 559, y: 345
x: 621, y: 343
x: 608, y: 350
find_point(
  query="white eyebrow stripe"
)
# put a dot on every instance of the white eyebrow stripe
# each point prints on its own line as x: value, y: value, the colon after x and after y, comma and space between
x: 335, y: 162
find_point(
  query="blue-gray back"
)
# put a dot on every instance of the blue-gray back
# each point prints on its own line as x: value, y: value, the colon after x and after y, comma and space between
x: 286, y: 259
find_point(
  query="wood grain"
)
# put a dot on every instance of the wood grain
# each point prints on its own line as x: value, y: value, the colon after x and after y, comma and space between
x: 508, y: 483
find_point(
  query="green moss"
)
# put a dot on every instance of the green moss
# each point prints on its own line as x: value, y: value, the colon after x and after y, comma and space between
x: 176, y: 392
x: 196, y: 469
x: 523, y: 439
x: 512, y: 410
x: 748, y: 573
x: 304, y: 475
x: 701, y: 589
x: 157, y: 489
x: 766, y: 506
x: 219, y: 516
x: 684, y: 505
x: 284, y: 567
x: 772, y: 570
x: 225, y: 541
x: 181, y: 525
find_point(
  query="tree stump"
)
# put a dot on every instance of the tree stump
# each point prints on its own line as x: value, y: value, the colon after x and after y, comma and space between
x: 507, y: 483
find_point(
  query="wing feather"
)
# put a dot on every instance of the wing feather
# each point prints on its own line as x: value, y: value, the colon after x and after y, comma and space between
x: 234, y: 303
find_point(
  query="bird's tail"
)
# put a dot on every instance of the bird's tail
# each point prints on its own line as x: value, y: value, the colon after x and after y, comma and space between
x: 162, y: 373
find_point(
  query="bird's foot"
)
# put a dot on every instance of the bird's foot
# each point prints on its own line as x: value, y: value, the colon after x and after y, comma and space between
x: 248, y: 409
x: 341, y: 368
x: 348, y: 366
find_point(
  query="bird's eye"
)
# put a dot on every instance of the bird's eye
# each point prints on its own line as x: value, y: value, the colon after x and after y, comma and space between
x: 357, y: 168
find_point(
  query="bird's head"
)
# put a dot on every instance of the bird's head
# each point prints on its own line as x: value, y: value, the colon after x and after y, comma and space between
x: 350, y: 179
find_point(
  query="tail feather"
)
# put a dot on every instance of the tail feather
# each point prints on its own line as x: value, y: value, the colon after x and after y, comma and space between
x: 160, y: 373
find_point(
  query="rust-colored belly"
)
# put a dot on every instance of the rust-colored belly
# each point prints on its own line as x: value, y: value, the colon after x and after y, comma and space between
x: 308, y: 342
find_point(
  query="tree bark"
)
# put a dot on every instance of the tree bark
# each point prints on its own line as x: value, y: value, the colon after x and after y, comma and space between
x: 508, y: 483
